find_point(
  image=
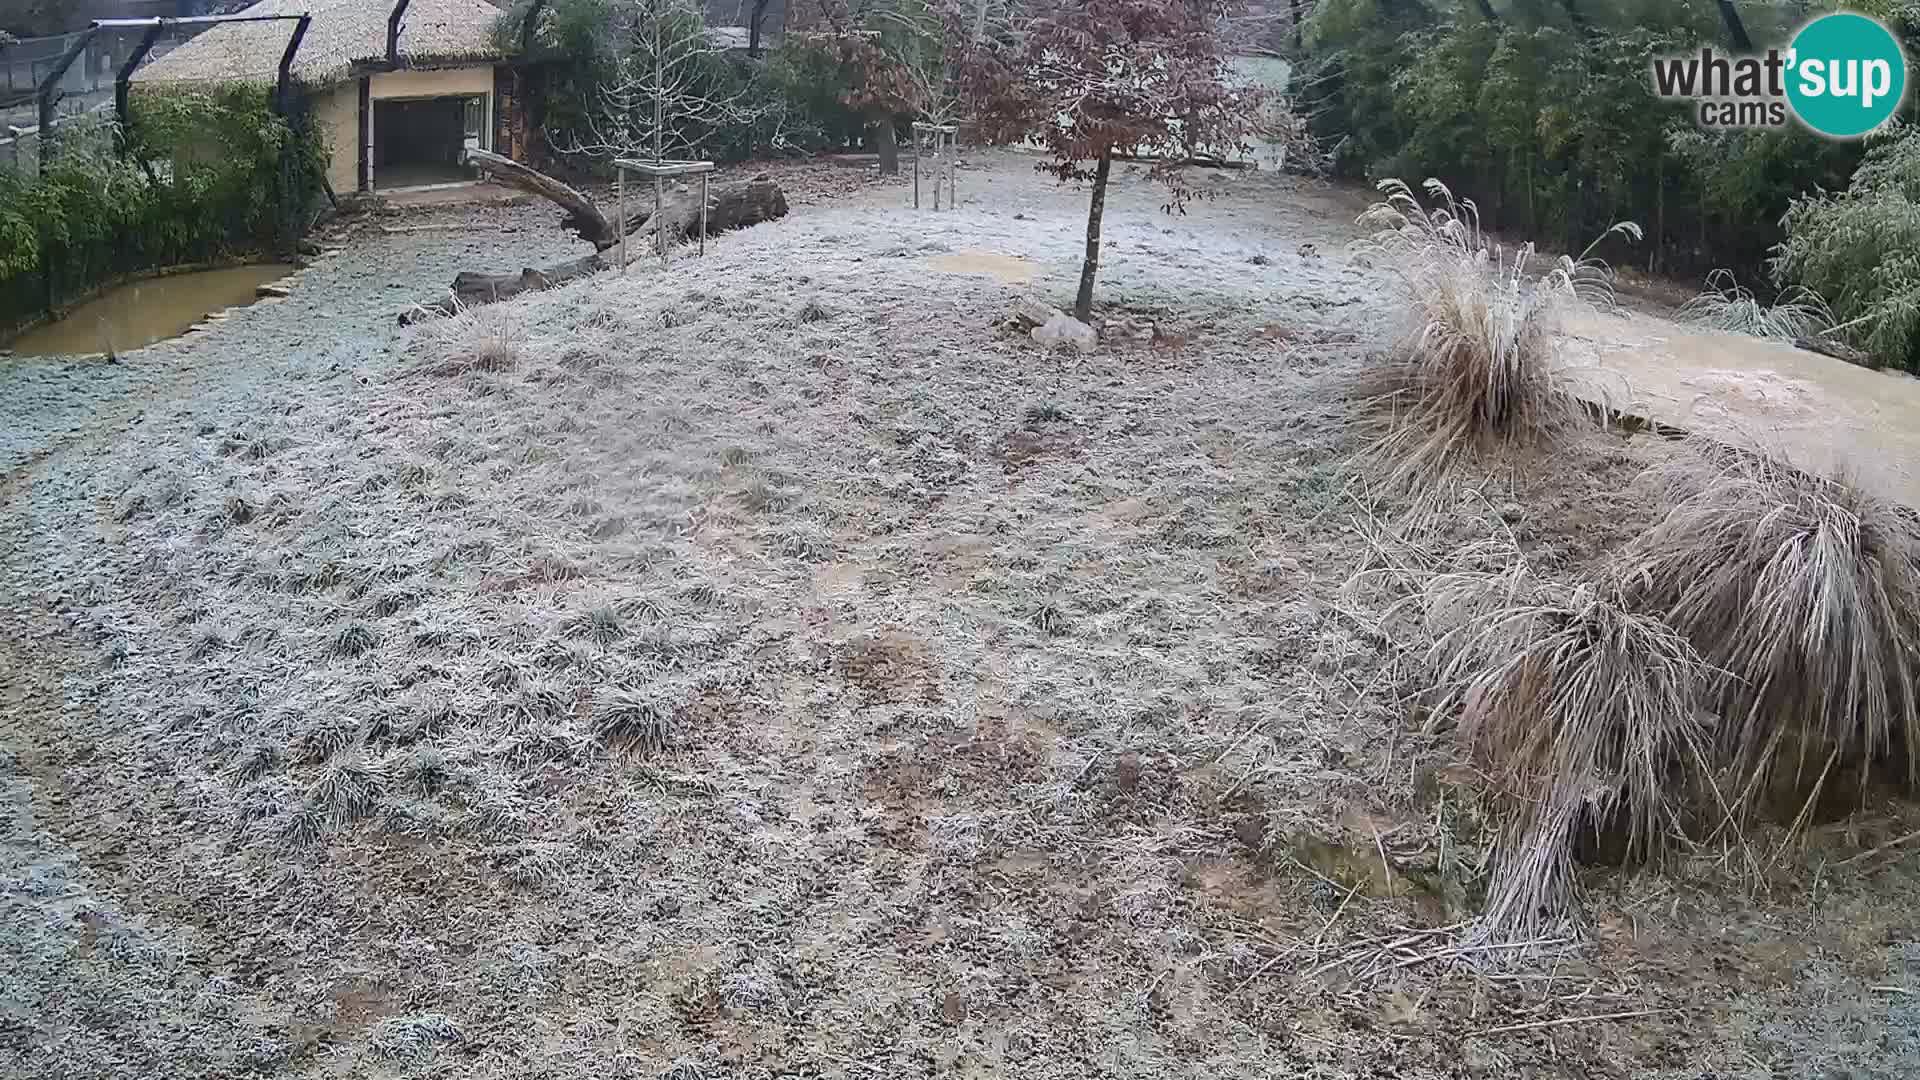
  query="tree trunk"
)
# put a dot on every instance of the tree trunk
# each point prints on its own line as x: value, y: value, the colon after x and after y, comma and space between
x: 583, y: 218
x: 1578, y: 18
x: 887, y: 141
x: 472, y: 288
x: 1736, y: 29
x: 758, y: 14
x: 1083, y: 304
x: 733, y: 205
x: 1295, y: 6
x: 1487, y: 13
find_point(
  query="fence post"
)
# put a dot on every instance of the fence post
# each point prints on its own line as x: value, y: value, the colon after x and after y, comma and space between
x: 52, y: 83
x: 282, y: 86
x: 393, y: 31
x: 296, y: 132
x: 122, y: 84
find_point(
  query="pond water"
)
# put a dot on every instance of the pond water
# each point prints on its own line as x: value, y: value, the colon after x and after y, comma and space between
x: 143, y: 312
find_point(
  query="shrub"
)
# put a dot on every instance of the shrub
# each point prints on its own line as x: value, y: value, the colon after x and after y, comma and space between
x: 1731, y: 307
x: 1582, y: 711
x: 1474, y: 369
x: 595, y: 98
x: 1861, y: 250
x: 1804, y: 593
x: 1553, y: 122
x: 204, y: 175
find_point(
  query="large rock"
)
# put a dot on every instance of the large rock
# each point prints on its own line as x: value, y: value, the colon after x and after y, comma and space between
x: 1065, y: 331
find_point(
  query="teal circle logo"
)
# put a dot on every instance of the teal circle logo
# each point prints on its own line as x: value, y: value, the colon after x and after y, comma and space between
x: 1845, y: 75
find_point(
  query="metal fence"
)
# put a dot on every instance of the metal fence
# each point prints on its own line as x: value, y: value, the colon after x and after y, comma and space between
x: 27, y: 62
x: 90, y: 131
x: 20, y: 150
x: 85, y: 90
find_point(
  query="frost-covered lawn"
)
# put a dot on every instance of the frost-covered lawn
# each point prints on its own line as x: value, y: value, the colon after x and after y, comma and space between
x: 778, y: 667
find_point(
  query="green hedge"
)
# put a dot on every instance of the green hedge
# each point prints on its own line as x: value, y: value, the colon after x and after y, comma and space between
x: 1553, y: 128
x: 201, y: 176
x: 1860, y: 249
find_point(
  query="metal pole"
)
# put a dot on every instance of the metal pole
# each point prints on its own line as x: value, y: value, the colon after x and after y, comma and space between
x: 620, y: 196
x: 659, y: 132
x: 195, y: 20
x: 393, y: 31
x: 122, y: 86
x: 526, y: 25
x: 703, y: 215
x: 285, y: 83
x: 52, y: 82
x: 919, y: 145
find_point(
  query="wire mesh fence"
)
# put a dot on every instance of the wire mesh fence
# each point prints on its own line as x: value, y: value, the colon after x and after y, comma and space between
x: 84, y: 91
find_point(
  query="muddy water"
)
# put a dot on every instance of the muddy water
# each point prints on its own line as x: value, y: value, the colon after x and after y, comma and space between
x: 147, y: 311
x: 1823, y: 414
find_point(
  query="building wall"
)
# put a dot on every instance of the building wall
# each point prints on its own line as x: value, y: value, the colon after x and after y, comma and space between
x: 441, y: 83
x: 336, y: 113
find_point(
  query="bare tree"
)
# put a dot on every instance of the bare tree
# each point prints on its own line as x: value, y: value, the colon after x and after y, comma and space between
x: 671, y: 91
x: 1092, y: 79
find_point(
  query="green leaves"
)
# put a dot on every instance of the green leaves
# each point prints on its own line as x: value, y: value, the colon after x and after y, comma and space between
x: 201, y: 178
x: 1861, y: 250
x: 1555, y: 130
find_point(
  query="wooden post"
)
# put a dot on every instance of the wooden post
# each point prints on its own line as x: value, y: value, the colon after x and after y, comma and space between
x: 659, y: 208
x: 703, y: 214
x: 620, y: 215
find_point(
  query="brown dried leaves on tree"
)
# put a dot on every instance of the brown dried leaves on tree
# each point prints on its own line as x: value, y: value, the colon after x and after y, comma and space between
x: 1092, y: 80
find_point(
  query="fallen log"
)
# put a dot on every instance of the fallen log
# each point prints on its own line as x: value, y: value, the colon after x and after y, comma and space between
x: 1839, y: 350
x: 472, y: 288
x: 731, y: 205
x: 583, y: 217
x: 736, y: 204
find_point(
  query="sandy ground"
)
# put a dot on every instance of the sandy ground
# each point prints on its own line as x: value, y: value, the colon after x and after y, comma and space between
x: 1829, y: 416
x: 777, y: 667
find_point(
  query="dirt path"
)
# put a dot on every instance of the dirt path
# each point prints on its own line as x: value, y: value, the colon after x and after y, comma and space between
x: 1821, y: 413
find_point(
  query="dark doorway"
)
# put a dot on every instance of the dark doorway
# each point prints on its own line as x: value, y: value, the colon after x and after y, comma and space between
x: 418, y: 141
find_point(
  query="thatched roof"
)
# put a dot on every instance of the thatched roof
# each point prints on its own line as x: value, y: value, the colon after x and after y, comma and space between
x: 344, y: 33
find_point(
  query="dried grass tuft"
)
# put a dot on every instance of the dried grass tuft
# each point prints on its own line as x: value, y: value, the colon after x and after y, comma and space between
x: 1474, y: 372
x: 344, y: 793
x: 352, y: 640
x: 640, y: 717
x: 603, y: 625
x: 411, y: 1040
x: 1805, y: 592
x: 1728, y: 306
x: 486, y: 339
x: 1582, y: 710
